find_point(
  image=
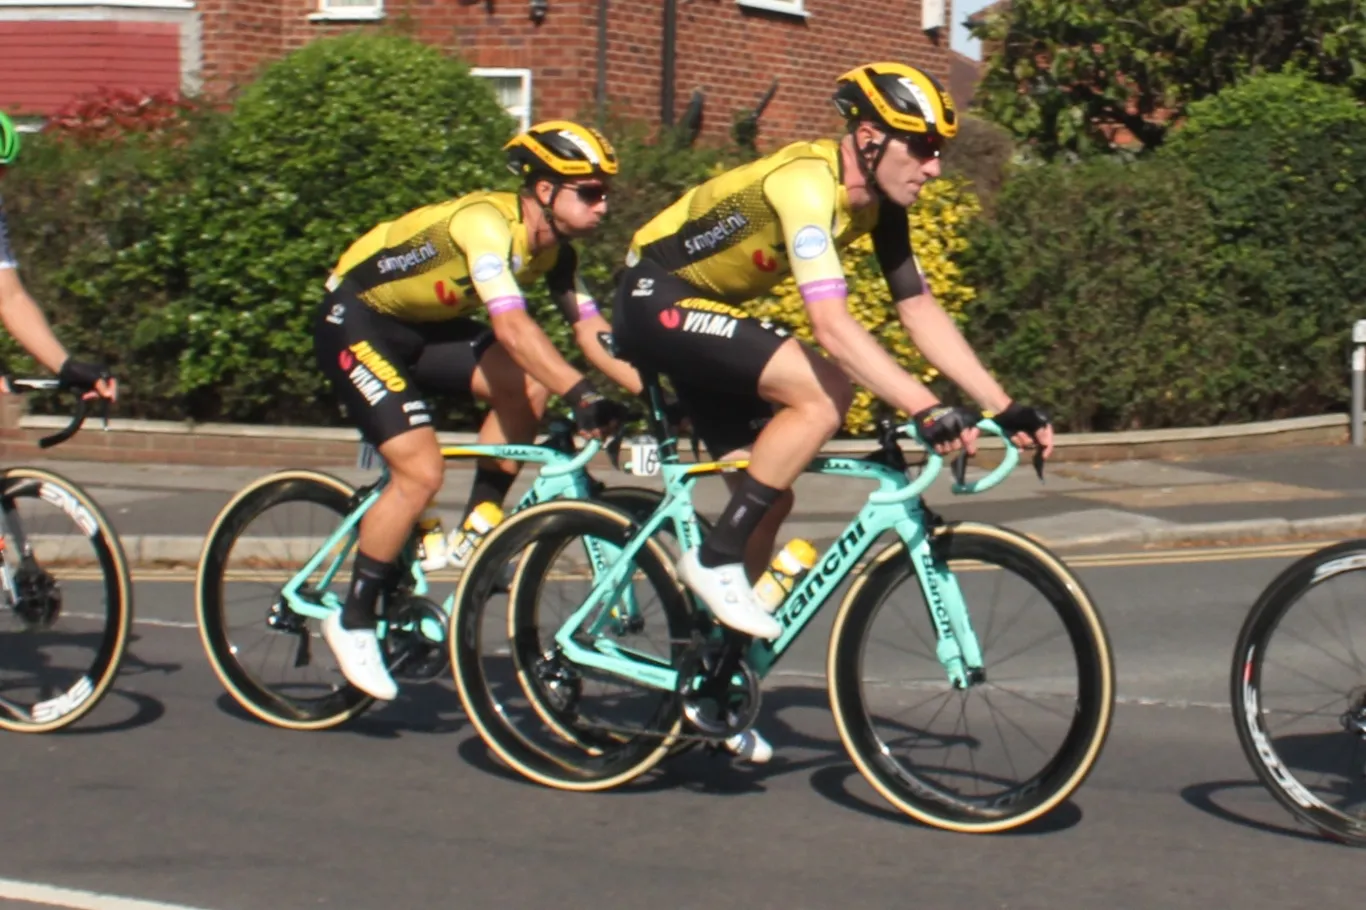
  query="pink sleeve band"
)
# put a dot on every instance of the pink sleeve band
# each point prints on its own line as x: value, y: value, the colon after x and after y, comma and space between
x: 825, y: 289
x: 503, y: 304
x: 587, y: 308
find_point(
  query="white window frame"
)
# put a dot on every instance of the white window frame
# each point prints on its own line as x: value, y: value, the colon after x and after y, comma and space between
x: 522, y: 113
x: 333, y: 11
x: 787, y: 7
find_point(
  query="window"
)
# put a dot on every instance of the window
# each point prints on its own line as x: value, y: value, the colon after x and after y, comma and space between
x: 791, y: 7
x: 349, y: 9
x: 513, y: 89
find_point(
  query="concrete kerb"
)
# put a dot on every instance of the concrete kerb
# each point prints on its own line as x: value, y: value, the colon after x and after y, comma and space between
x: 1069, y: 447
x: 153, y: 551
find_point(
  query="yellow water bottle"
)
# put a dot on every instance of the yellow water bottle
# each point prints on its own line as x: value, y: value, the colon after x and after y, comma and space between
x: 792, y: 562
x: 466, y: 540
x: 432, y: 549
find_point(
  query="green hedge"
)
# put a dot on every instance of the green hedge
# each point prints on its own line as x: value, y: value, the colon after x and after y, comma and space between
x: 1213, y: 282
x: 193, y: 258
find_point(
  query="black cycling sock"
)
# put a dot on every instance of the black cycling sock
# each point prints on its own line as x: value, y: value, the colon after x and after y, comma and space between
x: 367, y: 580
x: 490, y: 485
x: 749, y: 505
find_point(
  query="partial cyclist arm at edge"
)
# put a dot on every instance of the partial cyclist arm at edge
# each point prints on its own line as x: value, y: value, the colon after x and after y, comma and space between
x: 26, y: 322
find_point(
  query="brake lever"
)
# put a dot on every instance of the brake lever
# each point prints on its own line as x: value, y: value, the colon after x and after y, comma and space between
x: 960, y: 467
x: 1038, y: 462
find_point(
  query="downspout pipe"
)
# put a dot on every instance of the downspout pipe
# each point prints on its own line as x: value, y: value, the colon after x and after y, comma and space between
x: 666, y: 79
x: 602, y: 64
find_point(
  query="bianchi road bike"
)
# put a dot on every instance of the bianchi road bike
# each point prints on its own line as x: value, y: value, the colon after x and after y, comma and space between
x: 954, y: 641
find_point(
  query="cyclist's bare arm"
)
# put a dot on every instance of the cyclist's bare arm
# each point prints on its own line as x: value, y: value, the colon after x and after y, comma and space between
x: 936, y: 335
x: 804, y: 193
x: 486, y: 243
x: 580, y: 310
x: 28, y: 325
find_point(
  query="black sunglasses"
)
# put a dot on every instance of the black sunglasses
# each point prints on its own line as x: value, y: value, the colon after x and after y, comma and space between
x: 590, y: 193
x: 923, y: 145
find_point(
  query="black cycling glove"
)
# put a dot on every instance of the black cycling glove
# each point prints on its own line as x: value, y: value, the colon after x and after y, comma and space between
x: 591, y: 410
x: 942, y: 424
x: 1018, y: 418
x: 76, y: 374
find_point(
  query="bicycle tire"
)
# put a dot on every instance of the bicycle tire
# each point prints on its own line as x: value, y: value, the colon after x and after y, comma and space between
x: 74, y: 704
x: 1249, y: 651
x: 344, y: 703
x: 530, y: 530
x: 924, y: 800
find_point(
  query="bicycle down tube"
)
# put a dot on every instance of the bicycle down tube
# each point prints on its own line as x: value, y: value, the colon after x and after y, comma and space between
x: 895, y: 505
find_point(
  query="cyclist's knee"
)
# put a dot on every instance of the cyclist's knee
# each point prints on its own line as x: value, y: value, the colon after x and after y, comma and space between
x: 537, y: 395
x: 417, y: 470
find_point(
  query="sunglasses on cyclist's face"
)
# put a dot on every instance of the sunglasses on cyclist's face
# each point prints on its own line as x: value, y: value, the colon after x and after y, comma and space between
x: 923, y: 146
x: 590, y: 193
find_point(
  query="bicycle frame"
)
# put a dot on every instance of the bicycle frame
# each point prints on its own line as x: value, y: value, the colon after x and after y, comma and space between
x: 562, y: 475
x: 895, y: 505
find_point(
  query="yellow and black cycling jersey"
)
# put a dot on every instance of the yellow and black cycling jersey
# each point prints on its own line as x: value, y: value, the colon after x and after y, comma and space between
x: 437, y: 262
x: 739, y: 234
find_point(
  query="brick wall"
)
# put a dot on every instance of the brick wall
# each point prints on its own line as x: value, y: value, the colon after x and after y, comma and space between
x: 47, y: 63
x: 730, y: 52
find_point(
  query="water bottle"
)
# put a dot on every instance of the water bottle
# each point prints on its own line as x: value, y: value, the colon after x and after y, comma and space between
x: 792, y: 562
x: 432, y: 550
x: 466, y: 539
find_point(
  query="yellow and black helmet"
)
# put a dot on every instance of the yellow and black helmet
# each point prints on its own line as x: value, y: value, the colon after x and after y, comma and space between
x: 897, y: 97
x: 559, y: 149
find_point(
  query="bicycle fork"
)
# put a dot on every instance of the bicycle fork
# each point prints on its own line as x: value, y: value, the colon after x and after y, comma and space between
x: 956, y: 643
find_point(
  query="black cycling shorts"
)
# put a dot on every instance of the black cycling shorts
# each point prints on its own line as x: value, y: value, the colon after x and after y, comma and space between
x: 713, y: 353
x: 380, y: 367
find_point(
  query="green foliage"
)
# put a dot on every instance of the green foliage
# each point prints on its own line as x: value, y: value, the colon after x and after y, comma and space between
x: 1213, y: 282
x: 334, y: 138
x: 1069, y: 70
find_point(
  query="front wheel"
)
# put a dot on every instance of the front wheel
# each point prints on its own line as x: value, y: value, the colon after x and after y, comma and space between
x: 1298, y: 687
x: 1045, y: 654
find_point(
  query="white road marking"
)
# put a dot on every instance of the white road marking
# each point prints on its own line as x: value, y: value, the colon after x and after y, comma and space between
x: 33, y: 893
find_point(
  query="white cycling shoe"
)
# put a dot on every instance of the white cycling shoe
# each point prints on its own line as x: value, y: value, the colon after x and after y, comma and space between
x: 727, y: 593
x: 750, y: 746
x: 359, y: 658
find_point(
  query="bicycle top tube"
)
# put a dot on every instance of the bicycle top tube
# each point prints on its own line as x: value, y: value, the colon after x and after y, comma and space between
x: 558, y: 462
x: 894, y: 486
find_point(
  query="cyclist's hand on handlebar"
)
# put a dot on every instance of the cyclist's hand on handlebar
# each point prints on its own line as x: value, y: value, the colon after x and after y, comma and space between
x: 594, y: 414
x: 92, y: 378
x: 947, y: 429
x: 1026, y: 426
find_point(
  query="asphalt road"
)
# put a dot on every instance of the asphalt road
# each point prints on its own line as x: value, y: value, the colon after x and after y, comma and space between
x: 168, y: 793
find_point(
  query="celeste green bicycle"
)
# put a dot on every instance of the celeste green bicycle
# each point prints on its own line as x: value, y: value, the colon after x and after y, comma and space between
x: 671, y: 677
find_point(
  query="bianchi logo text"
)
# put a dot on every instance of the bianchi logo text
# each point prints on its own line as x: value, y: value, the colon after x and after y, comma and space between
x: 406, y: 261
x: 713, y: 236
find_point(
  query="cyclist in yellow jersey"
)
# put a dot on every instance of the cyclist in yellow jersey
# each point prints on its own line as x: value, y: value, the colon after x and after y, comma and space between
x: 749, y: 389
x: 21, y: 315
x: 395, y: 324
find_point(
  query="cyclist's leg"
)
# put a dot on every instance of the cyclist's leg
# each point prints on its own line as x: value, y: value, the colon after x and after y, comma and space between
x: 714, y: 352
x: 463, y: 357
x: 366, y: 357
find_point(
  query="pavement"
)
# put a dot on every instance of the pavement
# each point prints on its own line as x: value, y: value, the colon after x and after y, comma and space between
x: 162, y: 512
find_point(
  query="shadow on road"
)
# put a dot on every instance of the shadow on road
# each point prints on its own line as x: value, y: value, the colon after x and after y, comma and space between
x: 1201, y: 796
x: 419, y: 708
x: 707, y: 771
